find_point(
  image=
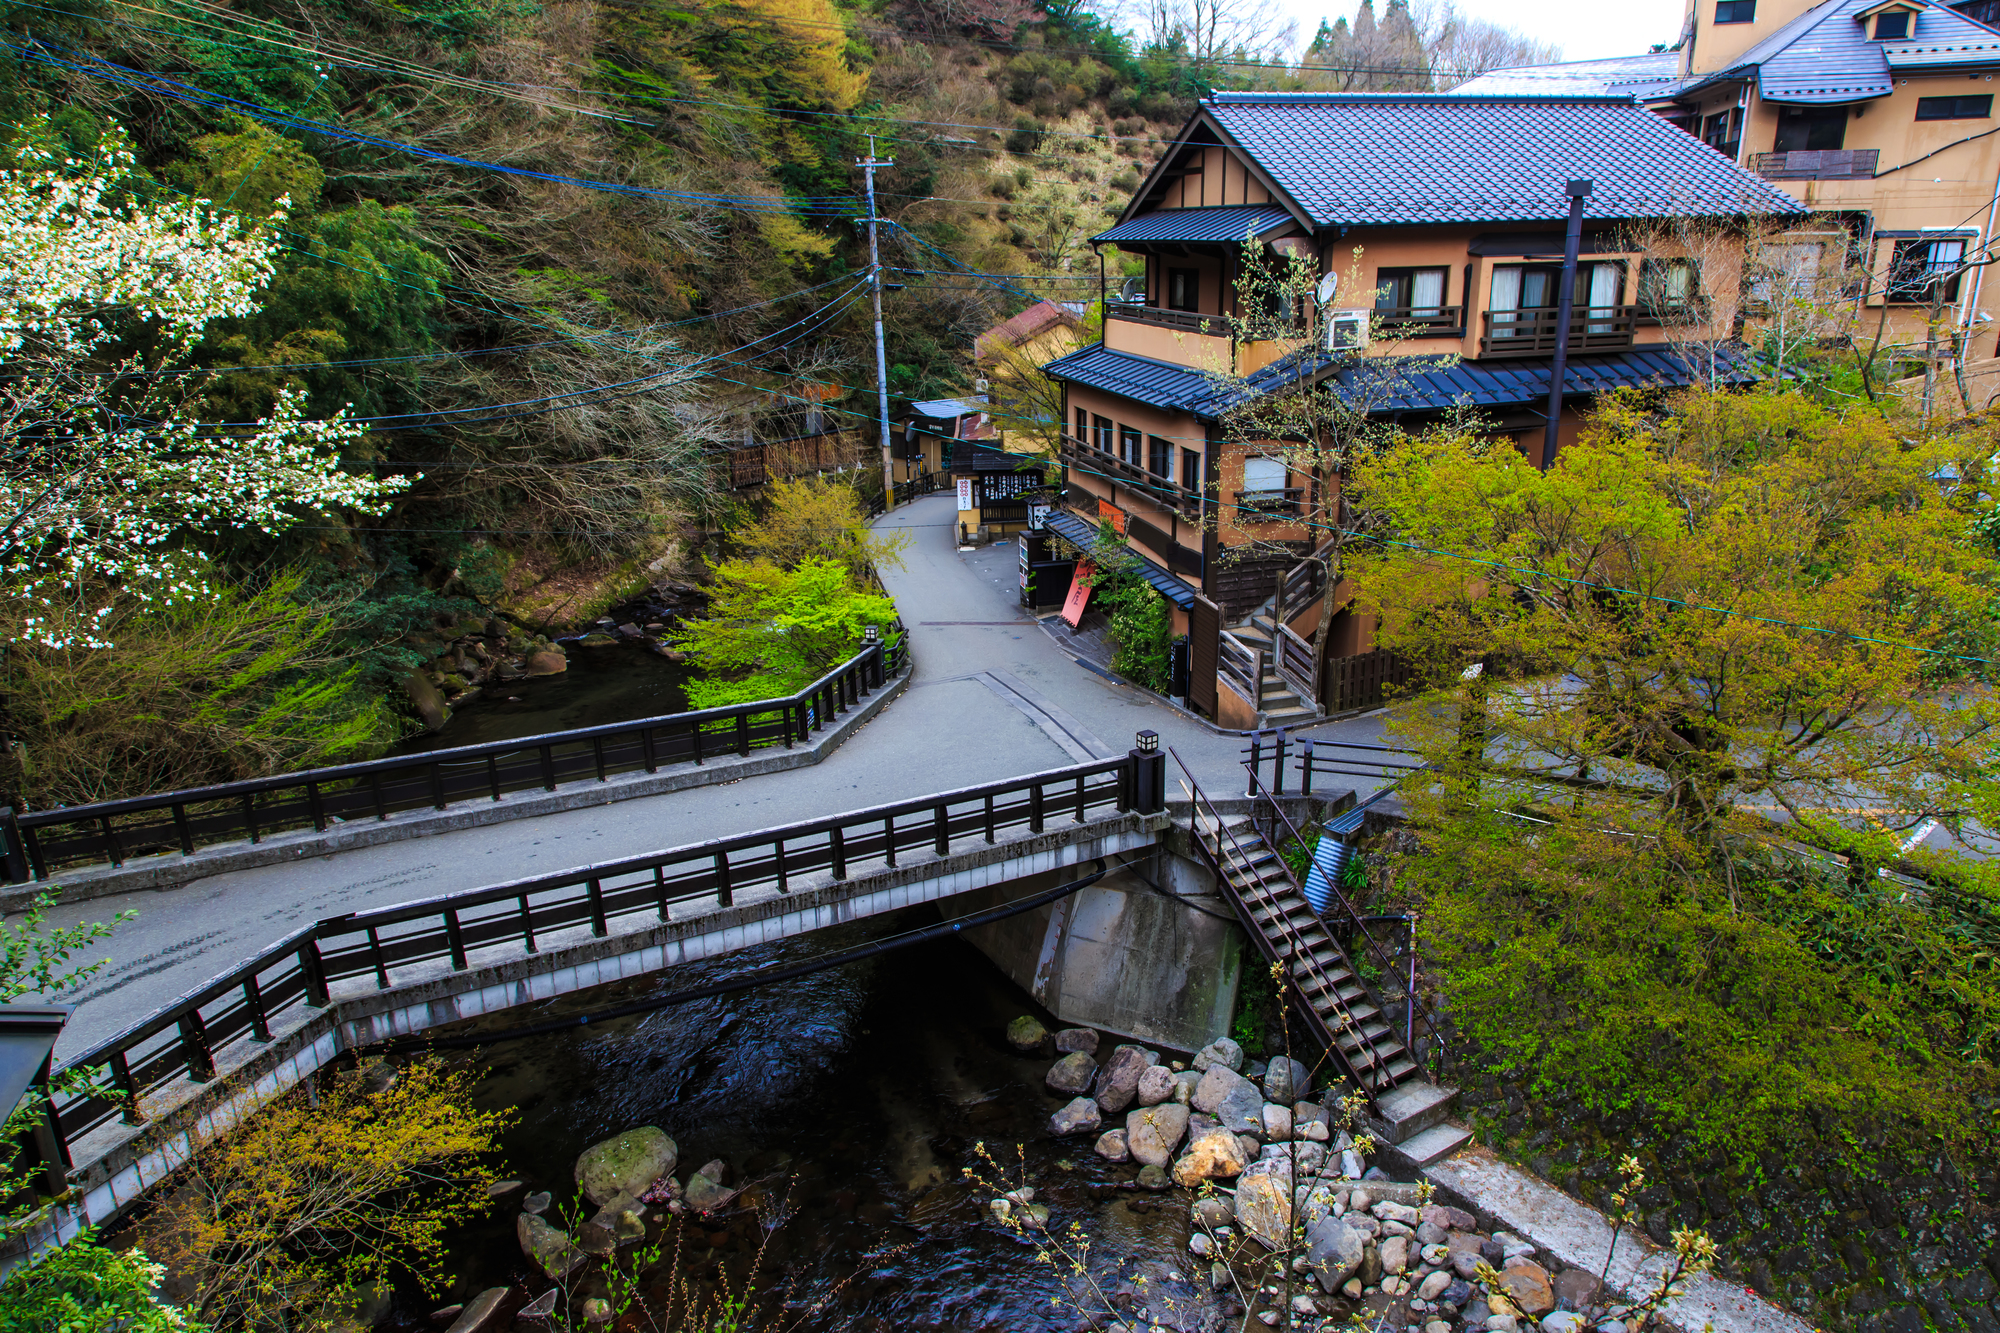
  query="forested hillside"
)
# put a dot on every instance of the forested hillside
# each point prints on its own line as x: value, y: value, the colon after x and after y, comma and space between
x: 555, y: 255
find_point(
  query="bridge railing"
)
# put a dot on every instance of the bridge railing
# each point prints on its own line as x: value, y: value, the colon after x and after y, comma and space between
x: 179, y: 1041
x: 115, y: 831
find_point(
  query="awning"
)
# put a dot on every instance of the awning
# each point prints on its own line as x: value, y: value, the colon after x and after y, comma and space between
x: 1075, y: 530
x: 1235, y: 223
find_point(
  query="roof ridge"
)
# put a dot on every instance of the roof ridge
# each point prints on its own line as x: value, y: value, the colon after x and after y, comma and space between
x: 1294, y: 99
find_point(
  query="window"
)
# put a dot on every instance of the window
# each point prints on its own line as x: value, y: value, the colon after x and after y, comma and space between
x: 1128, y: 445
x: 1955, y: 108
x: 1263, y: 487
x: 1783, y: 273
x: 1100, y: 434
x: 1161, y: 463
x: 1670, y: 289
x: 1521, y: 289
x: 1735, y: 11
x: 1417, y: 290
x: 1082, y: 426
x: 1809, y: 129
x: 1893, y: 26
x: 1723, y: 131
x: 1183, y: 289
x: 1921, y: 271
x: 1191, y: 470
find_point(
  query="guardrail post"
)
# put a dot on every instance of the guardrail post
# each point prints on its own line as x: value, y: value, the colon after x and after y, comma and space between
x: 52, y: 1148
x: 437, y: 786
x: 725, y: 893
x: 17, y: 867
x: 743, y: 735
x: 1306, y: 767
x: 455, y: 935
x: 837, y: 848
x: 318, y: 807
x: 314, y: 968
x: 253, y: 999
x: 1256, y: 758
x: 1035, y: 808
x: 127, y: 1090
x: 1278, y: 764
x: 598, y: 926
x: 194, y: 1041
x: 1148, y: 769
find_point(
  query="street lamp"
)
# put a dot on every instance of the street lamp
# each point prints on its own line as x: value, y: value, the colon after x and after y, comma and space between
x: 1149, y: 741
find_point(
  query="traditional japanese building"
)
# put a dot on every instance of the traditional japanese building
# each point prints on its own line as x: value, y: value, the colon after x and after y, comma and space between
x: 1436, y: 223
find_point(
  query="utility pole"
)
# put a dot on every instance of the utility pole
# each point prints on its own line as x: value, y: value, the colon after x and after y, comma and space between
x: 1565, y: 303
x: 881, y: 358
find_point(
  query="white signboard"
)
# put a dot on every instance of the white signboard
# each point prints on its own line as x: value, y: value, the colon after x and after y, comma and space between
x: 965, y: 492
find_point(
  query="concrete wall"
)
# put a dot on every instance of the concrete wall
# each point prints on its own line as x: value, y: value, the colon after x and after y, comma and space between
x: 1126, y: 958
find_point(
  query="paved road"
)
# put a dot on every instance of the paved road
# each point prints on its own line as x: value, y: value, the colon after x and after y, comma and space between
x: 992, y: 697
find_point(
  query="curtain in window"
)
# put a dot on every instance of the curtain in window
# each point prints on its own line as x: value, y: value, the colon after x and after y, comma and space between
x: 1506, y: 298
x: 1606, y: 282
x: 1426, y: 291
x: 1263, y: 474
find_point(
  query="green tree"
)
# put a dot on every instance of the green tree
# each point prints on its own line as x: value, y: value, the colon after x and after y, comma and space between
x: 772, y: 631
x: 83, y: 1287
x: 811, y: 518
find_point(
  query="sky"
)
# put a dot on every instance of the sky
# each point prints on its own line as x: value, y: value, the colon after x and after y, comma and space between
x: 1585, y: 29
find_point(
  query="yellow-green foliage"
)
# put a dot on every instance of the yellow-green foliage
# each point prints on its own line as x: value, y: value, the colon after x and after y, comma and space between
x: 1702, y: 630
x: 810, y: 518
x: 315, y: 1197
x: 772, y: 631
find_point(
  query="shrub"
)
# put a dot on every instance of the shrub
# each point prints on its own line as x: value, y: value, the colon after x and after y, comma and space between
x: 84, y: 1288
x: 1027, y: 135
x: 770, y: 631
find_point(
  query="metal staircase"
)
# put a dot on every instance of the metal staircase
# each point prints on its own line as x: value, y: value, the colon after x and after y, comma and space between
x: 1378, y: 1048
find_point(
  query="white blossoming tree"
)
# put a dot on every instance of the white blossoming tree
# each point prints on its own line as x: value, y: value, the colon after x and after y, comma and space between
x: 109, y: 479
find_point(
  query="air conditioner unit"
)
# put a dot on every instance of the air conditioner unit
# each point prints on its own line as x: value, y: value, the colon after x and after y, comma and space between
x: 1347, y: 330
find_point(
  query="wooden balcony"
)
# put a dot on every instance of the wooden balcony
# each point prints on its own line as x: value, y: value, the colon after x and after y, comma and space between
x: 1511, y: 333
x: 1445, y: 321
x: 1163, y: 490
x: 1183, y: 321
x: 1817, y: 164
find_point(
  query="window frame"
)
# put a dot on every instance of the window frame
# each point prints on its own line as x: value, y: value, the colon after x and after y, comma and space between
x: 1191, y: 478
x: 1130, y: 441
x: 1102, y: 433
x: 1083, y: 427
x: 1900, y: 291
x: 1902, y: 17
x: 1191, y: 277
x: 1403, y: 279
x: 1815, y: 120
x: 1739, y: 11
x: 1160, y: 458
x: 1691, y: 309
x: 1956, y: 100
x: 1729, y: 122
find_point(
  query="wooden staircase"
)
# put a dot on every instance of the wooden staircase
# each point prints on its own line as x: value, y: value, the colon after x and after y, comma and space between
x: 1279, y: 702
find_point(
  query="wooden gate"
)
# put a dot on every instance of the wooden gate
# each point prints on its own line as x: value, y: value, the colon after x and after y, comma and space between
x: 1204, y: 635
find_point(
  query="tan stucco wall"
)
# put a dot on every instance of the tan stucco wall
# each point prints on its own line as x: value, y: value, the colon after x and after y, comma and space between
x: 1175, y: 345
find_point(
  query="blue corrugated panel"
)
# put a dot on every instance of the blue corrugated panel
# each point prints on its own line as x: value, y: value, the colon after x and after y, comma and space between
x: 1234, y: 223
x: 1074, y: 529
x: 1329, y: 859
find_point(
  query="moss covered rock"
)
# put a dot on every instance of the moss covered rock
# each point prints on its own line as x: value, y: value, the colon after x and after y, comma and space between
x: 627, y: 1164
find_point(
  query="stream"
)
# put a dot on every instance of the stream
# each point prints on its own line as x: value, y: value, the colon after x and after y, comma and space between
x: 857, y: 1096
x: 605, y: 684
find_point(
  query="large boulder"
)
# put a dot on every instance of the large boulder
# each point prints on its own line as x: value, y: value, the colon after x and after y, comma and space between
x: 1232, y: 1099
x: 1156, y: 1085
x: 1118, y: 1084
x: 1077, y: 1039
x: 482, y: 1312
x: 1285, y: 1079
x: 1216, y: 1155
x: 1079, y: 1116
x: 1264, y: 1201
x: 549, y: 1247
x: 627, y: 1164
x: 1072, y: 1073
x: 1334, y: 1252
x: 1222, y: 1051
x: 1153, y: 1132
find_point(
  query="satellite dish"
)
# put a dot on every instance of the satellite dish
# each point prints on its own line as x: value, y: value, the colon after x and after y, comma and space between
x: 1328, y: 285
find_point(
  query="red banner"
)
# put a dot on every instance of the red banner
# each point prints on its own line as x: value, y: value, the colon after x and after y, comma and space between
x: 1079, y: 592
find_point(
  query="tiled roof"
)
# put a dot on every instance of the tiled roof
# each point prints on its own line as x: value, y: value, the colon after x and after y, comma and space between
x: 1383, y: 158
x: 1079, y: 533
x: 969, y: 456
x: 1391, y: 384
x: 1826, y: 56
x: 1234, y: 223
x: 1037, y: 318
x: 1570, y: 77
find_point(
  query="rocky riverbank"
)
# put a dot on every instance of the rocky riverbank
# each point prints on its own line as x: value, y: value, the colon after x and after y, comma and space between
x: 1288, y: 1220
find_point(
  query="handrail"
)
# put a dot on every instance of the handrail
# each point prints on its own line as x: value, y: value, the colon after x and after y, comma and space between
x: 180, y: 1039
x: 1299, y: 950
x: 1293, y: 659
x: 434, y: 778
x: 1231, y: 657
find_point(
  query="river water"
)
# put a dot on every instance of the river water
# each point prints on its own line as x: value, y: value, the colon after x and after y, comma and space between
x: 606, y: 684
x: 856, y: 1094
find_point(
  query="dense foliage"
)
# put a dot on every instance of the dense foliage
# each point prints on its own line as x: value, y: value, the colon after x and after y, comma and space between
x: 85, y: 1288
x: 1711, y: 614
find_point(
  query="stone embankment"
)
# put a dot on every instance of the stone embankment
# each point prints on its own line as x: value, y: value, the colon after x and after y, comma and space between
x: 1287, y: 1214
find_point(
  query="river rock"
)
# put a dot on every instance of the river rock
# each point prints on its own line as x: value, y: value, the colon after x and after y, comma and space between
x: 1232, y: 1099
x: 1578, y: 1288
x: 1285, y: 1079
x: 1222, y: 1051
x: 1451, y: 1219
x: 1527, y: 1285
x: 538, y: 1202
x: 1077, y: 1039
x: 1334, y: 1252
x: 1153, y: 1178
x: 500, y: 1189
x: 1185, y: 1082
x: 1153, y: 1132
x: 1119, y: 1083
x: 1156, y: 1085
x: 1026, y: 1034
x: 1395, y: 1255
x: 1079, y: 1116
x: 1072, y: 1073
x: 549, y: 662
x: 1563, y: 1321
x: 551, y: 1249
x: 1264, y: 1202
x: 705, y: 1191
x: 1112, y: 1146
x: 1313, y: 1131
x: 1277, y: 1123
x: 626, y: 1164
x: 1217, y: 1210
x: 1391, y: 1211
x: 481, y: 1312
x: 1433, y: 1286
x: 1216, y: 1155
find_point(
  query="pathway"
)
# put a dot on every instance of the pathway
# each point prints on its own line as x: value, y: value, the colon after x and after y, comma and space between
x: 993, y: 697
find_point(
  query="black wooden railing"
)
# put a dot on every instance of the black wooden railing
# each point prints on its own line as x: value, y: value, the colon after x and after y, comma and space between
x: 1532, y: 332
x: 114, y: 831
x: 1184, y: 321
x: 179, y: 1042
x: 1432, y: 321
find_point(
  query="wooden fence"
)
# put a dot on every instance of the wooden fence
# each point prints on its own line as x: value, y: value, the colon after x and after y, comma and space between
x: 1362, y: 681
